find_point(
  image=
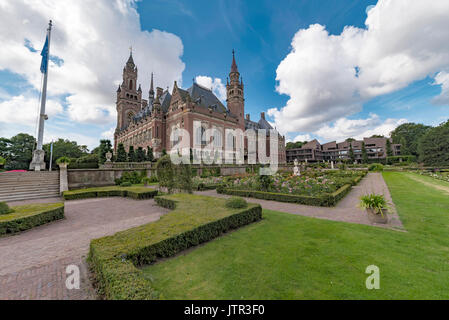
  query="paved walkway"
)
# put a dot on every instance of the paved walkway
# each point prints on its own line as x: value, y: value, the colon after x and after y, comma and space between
x: 33, y: 263
x: 346, y: 210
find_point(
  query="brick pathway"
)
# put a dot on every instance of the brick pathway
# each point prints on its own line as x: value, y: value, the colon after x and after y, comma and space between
x: 346, y: 210
x: 33, y: 263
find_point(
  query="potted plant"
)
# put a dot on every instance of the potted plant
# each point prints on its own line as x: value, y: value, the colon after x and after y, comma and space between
x: 63, y: 162
x: 376, y: 206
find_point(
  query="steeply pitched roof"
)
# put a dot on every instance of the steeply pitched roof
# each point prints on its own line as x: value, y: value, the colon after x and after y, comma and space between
x: 234, y: 65
x: 264, y: 124
x: 205, y: 98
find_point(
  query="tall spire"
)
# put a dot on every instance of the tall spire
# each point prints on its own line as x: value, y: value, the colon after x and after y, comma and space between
x: 130, y: 59
x: 151, y: 87
x: 234, y: 65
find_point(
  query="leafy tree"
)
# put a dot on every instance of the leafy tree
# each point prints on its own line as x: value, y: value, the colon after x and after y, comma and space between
x: 433, y: 147
x: 165, y: 173
x: 19, y: 151
x: 377, y: 136
x: 140, y: 154
x: 184, y: 177
x: 132, y: 155
x: 351, y: 153
x: 121, y: 153
x: 64, y: 148
x: 404, y: 149
x: 105, y: 147
x: 2, y: 162
x: 364, y: 153
x: 4, y: 147
x: 295, y: 145
x: 389, y: 149
x: 150, y: 156
x: 350, y: 140
x: 164, y: 152
x: 411, y: 132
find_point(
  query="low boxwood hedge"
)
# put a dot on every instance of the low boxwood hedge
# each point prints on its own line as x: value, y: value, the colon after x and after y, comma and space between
x: 194, y: 220
x: 323, y: 200
x: 29, y: 216
x: 137, y: 193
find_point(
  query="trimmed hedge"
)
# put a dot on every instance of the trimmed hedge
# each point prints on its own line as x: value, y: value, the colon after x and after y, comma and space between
x: 115, y: 259
x: 137, y: 193
x: 324, y: 200
x: 30, y: 216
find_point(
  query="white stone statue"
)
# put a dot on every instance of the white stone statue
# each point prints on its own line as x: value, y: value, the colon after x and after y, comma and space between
x: 332, y: 164
x: 296, y: 170
x: 108, y: 156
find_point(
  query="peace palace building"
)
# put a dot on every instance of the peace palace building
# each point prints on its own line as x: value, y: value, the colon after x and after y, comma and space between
x: 149, y: 123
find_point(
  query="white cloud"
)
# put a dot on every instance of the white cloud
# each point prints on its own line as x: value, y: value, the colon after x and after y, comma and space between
x: 442, y: 79
x: 23, y: 110
x: 330, y: 76
x: 218, y: 88
x: 109, y: 134
x: 92, y: 39
x: 303, y: 137
x: 345, y: 128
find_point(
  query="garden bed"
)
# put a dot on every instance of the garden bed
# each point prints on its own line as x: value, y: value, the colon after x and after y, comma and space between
x: 135, y: 192
x: 29, y: 216
x: 312, y: 188
x: 194, y: 220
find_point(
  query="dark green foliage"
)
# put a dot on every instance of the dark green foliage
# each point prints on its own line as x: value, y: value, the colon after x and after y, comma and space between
x: 409, y: 134
x: 351, y: 153
x: 121, y: 153
x: 434, y: 146
x: 63, y: 160
x: 132, y: 177
x: 405, y: 159
x: 115, y: 259
x: 183, y: 179
x: 265, y: 182
x: 236, y: 203
x: 377, y: 167
x: 18, y: 151
x: 4, y: 208
x: 105, y: 147
x: 150, y: 156
x: 132, y: 155
x: 389, y: 149
x: 125, y: 184
x: 295, y: 145
x: 164, y: 152
x: 165, y: 173
x: 137, y: 193
x: 364, y: 153
x: 64, y: 148
x: 140, y: 155
x: 34, y: 219
x: 89, y: 161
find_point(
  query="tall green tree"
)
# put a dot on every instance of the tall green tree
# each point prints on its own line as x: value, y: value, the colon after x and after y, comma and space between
x: 121, y: 153
x: 404, y: 149
x: 295, y: 145
x: 433, y: 147
x: 389, y: 149
x: 411, y: 132
x: 105, y: 147
x: 64, y: 148
x: 364, y: 153
x: 19, y: 151
x: 140, y: 154
x: 351, y: 153
x: 131, y: 154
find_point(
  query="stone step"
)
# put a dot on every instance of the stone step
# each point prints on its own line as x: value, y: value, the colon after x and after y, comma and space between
x: 28, y: 183
x: 28, y: 191
x: 29, y: 197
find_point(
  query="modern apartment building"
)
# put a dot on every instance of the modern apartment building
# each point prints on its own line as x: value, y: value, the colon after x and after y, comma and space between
x: 313, y: 151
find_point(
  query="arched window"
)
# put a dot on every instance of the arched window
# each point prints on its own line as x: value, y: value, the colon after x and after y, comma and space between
x: 130, y: 84
x: 217, y: 138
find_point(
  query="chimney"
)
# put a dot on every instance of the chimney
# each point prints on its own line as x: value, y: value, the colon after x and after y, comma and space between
x: 262, y: 115
x: 159, y: 92
x: 247, y: 116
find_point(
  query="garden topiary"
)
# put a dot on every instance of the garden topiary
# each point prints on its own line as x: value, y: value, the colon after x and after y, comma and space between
x: 165, y: 173
x: 236, y: 203
x: 126, y: 184
x: 376, y: 167
x: 5, y: 209
x: 184, y: 178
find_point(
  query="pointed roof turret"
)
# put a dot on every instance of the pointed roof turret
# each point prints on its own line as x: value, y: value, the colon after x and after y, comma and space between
x: 119, y: 89
x: 151, y: 87
x: 130, y: 63
x: 140, y: 89
x: 234, y: 65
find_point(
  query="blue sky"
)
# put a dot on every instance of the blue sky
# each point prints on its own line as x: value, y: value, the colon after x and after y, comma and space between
x: 309, y: 84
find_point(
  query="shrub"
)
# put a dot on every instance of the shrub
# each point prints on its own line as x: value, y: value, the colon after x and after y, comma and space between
x: 165, y: 173
x: 133, y: 177
x: 29, y: 216
x: 125, y: 184
x: 2, y: 162
x: 63, y: 160
x: 376, y: 202
x: 137, y: 193
x: 265, y: 182
x: 184, y: 178
x: 236, y: 203
x: 376, y: 167
x: 115, y: 259
x: 4, y: 208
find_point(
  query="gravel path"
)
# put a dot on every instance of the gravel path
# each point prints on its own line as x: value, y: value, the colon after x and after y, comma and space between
x: 33, y: 263
x: 347, y: 209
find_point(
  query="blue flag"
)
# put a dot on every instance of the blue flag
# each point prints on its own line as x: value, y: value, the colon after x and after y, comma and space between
x: 44, y: 54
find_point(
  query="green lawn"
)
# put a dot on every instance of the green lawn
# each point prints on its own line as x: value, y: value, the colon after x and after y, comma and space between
x: 293, y: 257
x: 29, y: 210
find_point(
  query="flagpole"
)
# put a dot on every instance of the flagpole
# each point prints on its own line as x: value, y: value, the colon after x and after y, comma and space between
x: 38, y: 162
x: 42, y: 115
